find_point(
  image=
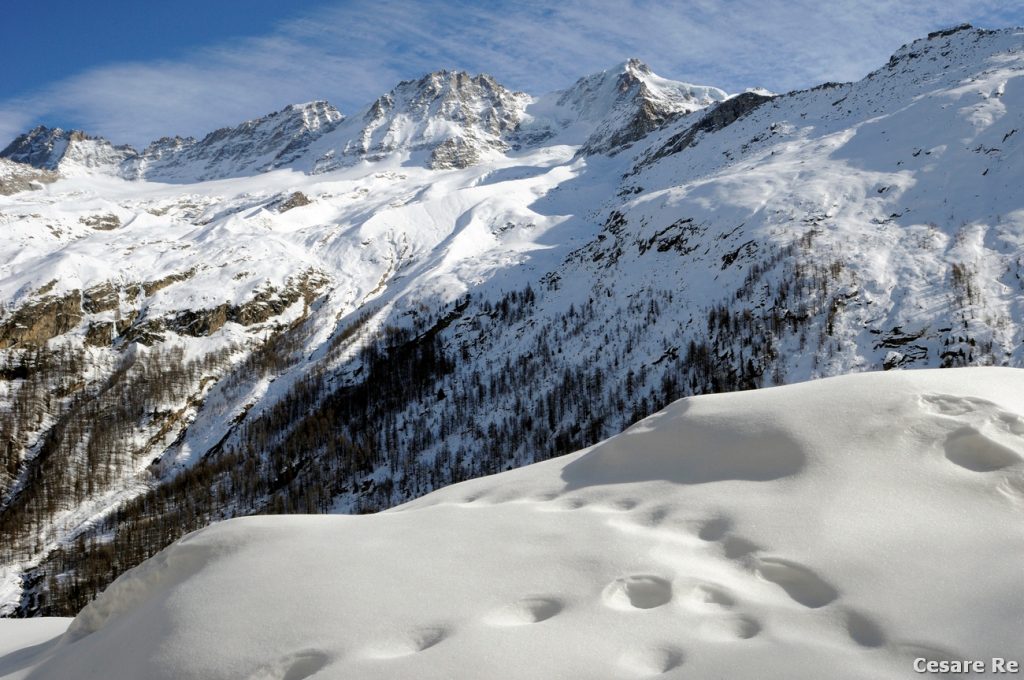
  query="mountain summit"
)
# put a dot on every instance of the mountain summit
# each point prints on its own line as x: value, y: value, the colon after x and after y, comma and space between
x: 454, y: 118
x: 610, y: 110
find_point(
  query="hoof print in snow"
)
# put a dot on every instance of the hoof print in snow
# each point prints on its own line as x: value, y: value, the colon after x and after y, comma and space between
x: 650, y: 661
x: 714, y: 529
x: 801, y: 584
x: 863, y: 630
x: 413, y: 642
x: 526, y: 611
x: 707, y: 595
x: 988, y: 439
x: 638, y: 592
x: 973, y: 450
x: 731, y: 627
x: 295, y: 666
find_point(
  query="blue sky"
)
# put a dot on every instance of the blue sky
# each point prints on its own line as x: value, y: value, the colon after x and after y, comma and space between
x: 135, y: 70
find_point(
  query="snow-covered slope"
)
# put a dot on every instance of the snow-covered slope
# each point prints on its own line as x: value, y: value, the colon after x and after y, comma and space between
x: 357, y: 337
x: 838, y: 529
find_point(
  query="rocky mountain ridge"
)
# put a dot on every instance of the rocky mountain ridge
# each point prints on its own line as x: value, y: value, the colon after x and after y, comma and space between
x: 455, y: 118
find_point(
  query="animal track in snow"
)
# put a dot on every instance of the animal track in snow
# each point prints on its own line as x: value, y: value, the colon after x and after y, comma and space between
x: 296, y: 666
x: 737, y: 548
x: 640, y: 591
x: 863, y: 630
x: 800, y: 583
x: 707, y: 595
x: 618, y: 505
x: 913, y: 650
x: 649, y: 661
x: 988, y: 438
x: 732, y: 627
x: 714, y: 529
x: 1012, y: 487
x: 971, y: 449
x: 952, y: 405
x: 414, y: 641
x: 526, y: 611
x: 654, y: 516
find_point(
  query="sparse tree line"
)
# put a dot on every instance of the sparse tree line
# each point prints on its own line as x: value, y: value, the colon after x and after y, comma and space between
x: 467, y: 389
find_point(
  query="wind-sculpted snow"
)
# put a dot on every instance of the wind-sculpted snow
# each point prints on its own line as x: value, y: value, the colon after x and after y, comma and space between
x: 877, y: 550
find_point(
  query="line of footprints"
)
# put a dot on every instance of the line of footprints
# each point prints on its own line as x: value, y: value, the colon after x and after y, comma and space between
x: 644, y: 591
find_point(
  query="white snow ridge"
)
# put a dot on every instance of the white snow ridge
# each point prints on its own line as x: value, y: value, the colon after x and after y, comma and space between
x: 834, y: 529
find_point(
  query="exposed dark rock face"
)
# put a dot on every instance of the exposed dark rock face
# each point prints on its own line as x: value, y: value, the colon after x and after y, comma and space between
x: 646, y: 112
x: 41, y: 147
x: 720, y: 116
x: 31, y: 325
x: 101, y: 222
x: 49, y: 148
x: 101, y: 298
x: 17, y: 177
x: 99, y: 334
x: 264, y: 305
x: 296, y: 199
x: 454, y: 153
x: 151, y: 287
x: 949, y: 31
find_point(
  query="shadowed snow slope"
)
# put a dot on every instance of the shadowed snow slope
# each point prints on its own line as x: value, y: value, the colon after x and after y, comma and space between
x: 838, y: 529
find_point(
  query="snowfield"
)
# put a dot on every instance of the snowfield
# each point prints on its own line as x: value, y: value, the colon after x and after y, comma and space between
x: 839, y: 528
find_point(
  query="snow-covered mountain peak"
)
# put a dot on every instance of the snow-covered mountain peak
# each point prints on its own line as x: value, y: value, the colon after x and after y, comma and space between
x: 251, y: 147
x: 17, y: 177
x: 71, y: 152
x: 953, y: 51
x: 264, y: 143
x: 607, y: 111
x: 40, y: 147
x: 454, y: 117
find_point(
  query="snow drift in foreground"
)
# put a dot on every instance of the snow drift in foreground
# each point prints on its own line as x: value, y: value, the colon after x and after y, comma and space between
x: 839, y: 528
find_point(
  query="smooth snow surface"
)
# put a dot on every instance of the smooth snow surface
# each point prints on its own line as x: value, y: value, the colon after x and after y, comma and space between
x: 832, y: 529
x: 22, y: 640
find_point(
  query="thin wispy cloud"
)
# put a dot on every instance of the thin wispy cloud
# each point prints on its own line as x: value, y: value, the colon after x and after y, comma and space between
x: 355, y: 51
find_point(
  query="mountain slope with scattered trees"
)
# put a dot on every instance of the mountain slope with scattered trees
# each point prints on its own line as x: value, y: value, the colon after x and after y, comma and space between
x: 352, y: 312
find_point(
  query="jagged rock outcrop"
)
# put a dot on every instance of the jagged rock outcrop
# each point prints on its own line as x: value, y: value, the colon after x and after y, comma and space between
x: 32, y: 324
x: 719, y: 116
x: 453, y: 116
x: 296, y: 199
x: 257, y: 145
x: 16, y: 177
x: 71, y: 152
x: 107, y: 222
x: 100, y: 298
